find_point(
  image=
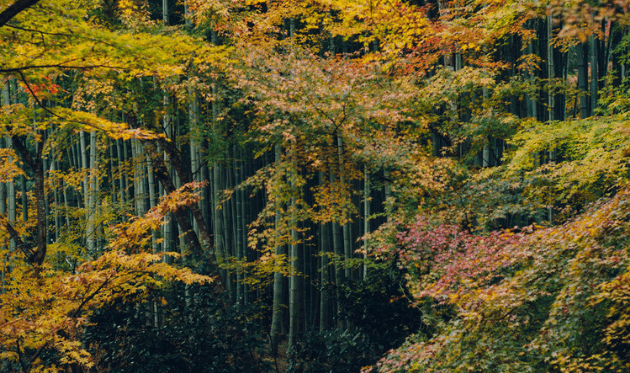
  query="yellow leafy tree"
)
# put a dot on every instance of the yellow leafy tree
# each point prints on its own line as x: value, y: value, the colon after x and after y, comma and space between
x: 44, y: 309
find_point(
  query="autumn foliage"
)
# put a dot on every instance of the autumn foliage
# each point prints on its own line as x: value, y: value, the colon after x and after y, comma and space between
x: 538, y: 300
x: 45, y: 308
x: 254, y: 177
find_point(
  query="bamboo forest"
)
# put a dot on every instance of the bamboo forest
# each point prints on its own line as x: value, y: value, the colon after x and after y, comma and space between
x: 314, y: 186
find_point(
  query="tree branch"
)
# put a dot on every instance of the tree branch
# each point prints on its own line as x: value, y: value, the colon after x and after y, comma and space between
x: 61, y: 66
x: 21, y: 148
x: 38, y: 31
x: 14, y: 9
x: 89, y: 298
x: 15, y: 236
x: 35, y: 96
x: 20, y: 357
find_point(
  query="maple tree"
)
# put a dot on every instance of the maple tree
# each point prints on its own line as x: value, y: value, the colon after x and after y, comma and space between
x: 44, y: 308
x: 46, y: 304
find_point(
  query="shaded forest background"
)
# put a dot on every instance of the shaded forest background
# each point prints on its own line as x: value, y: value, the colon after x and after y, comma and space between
x: 306, y: 186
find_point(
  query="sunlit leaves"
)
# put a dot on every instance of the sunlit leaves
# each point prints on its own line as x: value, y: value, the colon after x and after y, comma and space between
x: 46, y: 307
x: 44, y: 44
x: 9, y: 170
x: 593, y: 154
x: 538, y: 300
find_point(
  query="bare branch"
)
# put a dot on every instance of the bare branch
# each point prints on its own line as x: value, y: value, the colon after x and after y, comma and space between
x: 14, y: 9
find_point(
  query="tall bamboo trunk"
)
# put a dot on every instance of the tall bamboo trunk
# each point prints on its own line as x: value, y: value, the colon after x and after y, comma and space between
x: 582, y: 56
x: 616, y: 55
x: 10, y: 185
x: 602, y: 56
x: 324, y: 230
x: 295, y: 267
x: 594, y: 52
x: 11, y: 201
x: 121, y: 177
x: 3, y: 186
x: 167, y: 226
x: 187, y: 15
x: 193, y: 116
x: 367, y: 211
x: 532, y: 105
x: 347, y: 241
x: 338, y: 251
x: 53, y: 166
x: 165, y: 11
x: 217, y: 181
x: 84, y: 169
x: 91, y: 191
x: 242, y: 225
x: 278, y: 277
x: 550, y: 66
x: 238, y: 228
x: 152, y: 202
x: 3, y: 190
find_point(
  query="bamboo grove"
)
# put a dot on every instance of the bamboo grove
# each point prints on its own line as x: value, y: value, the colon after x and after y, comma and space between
x: 262, y: 176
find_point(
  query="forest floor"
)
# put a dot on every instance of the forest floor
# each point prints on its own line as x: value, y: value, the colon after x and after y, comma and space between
x: 280, y: 362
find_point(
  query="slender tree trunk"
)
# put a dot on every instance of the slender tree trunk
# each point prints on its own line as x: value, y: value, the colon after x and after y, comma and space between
x: 167, y: 226
x: 550, y: 67
x: 337, y: 248
x: 152, y: 202
x: 66, y: 203
x: 193, y: 115
x: 366, y: 218
x: 122, y: 173
x: 389, y: 202
x: 3, y: 190
x: 278, y: 277
x: 165, y: 11
x: 582, y: 56
x: 219, y: 232
x: 532, y: 107
x: 76, y: 163
x: 242, y: 225
x: 228, y: 245
x: 11, y: 202
x: 324, y: 249
x: 10, y: 186
x: 139, y: 178
x: 35, y: 257
x: 84, y: 167
x: 91, y: 190
x: 55, y: 198
x: 615, y: 55
x: 594, y: 52
x: 187, y: 16
x: 3, y: 200
x: 217, y: 180
x: 110, y: 171
x: 347, y: 242
x: 602, y: 56
x: 295, y: 279
x: 294, y: 291
x: 240, y: 250
x: 181, y: 247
